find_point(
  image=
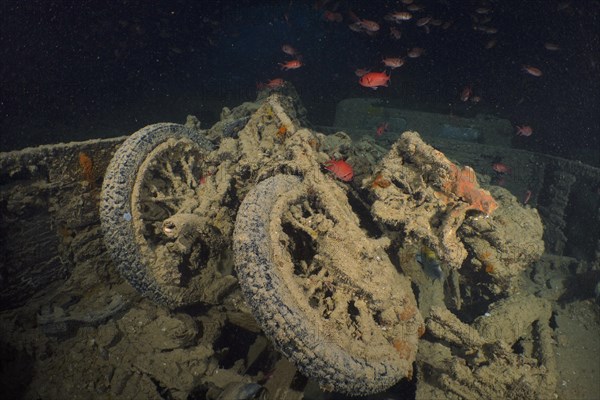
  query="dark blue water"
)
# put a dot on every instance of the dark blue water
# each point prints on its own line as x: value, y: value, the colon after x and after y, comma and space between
x: 97, y: 69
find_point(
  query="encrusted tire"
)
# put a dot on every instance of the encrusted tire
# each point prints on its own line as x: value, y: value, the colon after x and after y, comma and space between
x: 149, y: 216
x: 323, y: 292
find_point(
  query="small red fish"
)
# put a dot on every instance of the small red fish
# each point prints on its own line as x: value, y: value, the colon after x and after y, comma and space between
x: 203, y: 178
x: 393, y: 62
x: 551, y: 46
x: 272, y: 84
x: 466, y: 93
x: 398, y: 16
x: 415, y: 52
x: 292, y: 64
x: 382, y: 128
x: 341, y: 169
x: 289, y: 50
x: 330, y: 16
x: 374, y: 79
x: 501, y: 168
x: 527, y: 196
x: 532, y: 70
x: 423, y: 21
x: 524, y: 130
x: 369, y: 26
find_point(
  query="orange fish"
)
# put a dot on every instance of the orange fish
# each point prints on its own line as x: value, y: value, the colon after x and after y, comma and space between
x: 374, y: 79
x: 332, y: 16
x: 527, y: 196
x: 341, y: 169
x: 382, y: 128
x: 415, y: 7
x: 289, y: 50
x: 524, y: 130
x: 272, y: 84
x: 292, y: 64
x: 398, y: 16
x: 532, y: 70
x: 501, y: 168
x: 369, y: 26
x: 204, y: 177
x: 393, y: 62
x: 415, y: 52
x: 423, y: 21
x: 466, y: 93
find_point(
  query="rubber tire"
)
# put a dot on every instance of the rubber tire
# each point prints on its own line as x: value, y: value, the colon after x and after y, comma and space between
x: 292, y: 331
x: 115, y: 205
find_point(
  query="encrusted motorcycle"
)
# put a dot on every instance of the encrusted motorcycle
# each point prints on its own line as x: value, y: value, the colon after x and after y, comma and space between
x: 190, y: 216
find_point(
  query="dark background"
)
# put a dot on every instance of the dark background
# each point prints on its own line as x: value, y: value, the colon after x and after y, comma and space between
x: 87, y: 69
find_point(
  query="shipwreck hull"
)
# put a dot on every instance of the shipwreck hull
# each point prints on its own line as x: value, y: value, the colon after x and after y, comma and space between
x: 49, y: 204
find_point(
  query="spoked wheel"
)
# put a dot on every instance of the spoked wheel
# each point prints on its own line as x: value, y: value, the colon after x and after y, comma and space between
x: 325, y: 293
x: 148, y: 210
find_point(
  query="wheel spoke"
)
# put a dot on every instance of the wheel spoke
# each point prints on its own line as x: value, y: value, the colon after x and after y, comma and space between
x: 167, y: 172
x: 186, y: 164
x: 163, y: 199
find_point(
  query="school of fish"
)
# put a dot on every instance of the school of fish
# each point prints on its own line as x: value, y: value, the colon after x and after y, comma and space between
x: 395, y: 18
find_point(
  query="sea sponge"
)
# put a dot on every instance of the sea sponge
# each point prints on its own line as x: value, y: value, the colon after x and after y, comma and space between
x: 463, y: 184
